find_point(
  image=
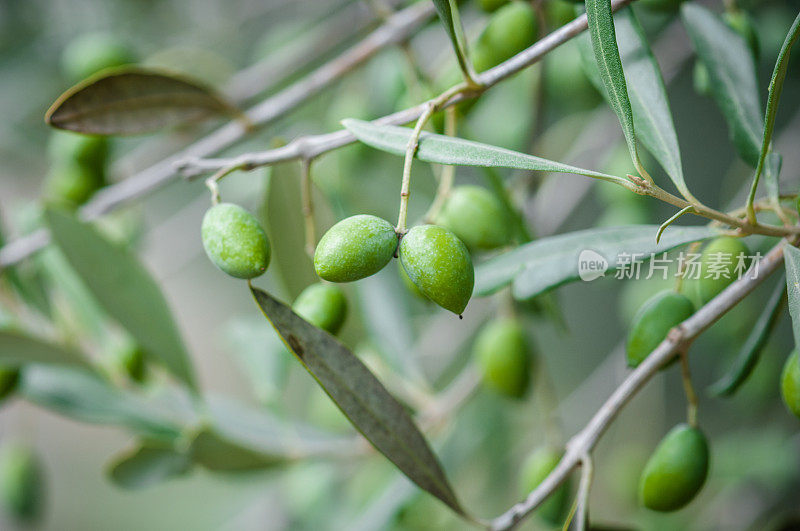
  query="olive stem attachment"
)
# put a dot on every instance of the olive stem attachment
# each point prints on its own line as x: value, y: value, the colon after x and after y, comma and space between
x: 411, y: 149
x: 691, y: 395
x: 448, y: 172
x: 308, y: 207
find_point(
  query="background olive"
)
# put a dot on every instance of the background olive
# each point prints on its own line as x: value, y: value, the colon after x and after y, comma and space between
x: 565, y: 82
x: 93, y: 52
x: 234, y: 241
x: 20, y: 482
x: 355, y: 248
x: 90, y: 151
x: 676, y: 471
x: 535, y: 469
x: 790, y: 384
x: 492, y: 5
x: 652, y: 323
x: 502, y: 352
x: 721, y: 262
x: 322, y: 305
x: 477, y: 217
x: 130, y: 360
x: 8, y: 381
x: 511, y: 29
x: 662, y: 5
x: 71, y: 184
x: 440, y: 266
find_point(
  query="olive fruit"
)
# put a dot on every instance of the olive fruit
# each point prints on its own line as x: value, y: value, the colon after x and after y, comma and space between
x: 665, y: 6
x: 565, y: 82
x: 439, y: 265
x: 234, y: 241
x: 477, y: 217
x: 790, y: 383
x: 558, y: 12
x: 535, y: 469
x: 322, y: 305
x: 130, y: 360
x: 72, y: 184
x: 501, y: 351
x: 721, y: 262
x: 409, y: 284
x: 511, y: 29
x: 676, y: 471
x: 740, y: 22
x: 654, y: 320
x: 89, y: 151
x: 8, y: 381
x: 20, y: 482
x: 92, y: 52
x: 355, y: 248
x: 492, y: 5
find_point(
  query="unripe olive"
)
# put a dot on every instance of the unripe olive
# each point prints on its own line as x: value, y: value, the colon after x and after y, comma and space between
x: 9, y: 377
x: 20, y: 482
x: 130, y: 360
x: 90, y: 151
x: 565, y: 82
x: 535, y: 469
x: 740, y: 22
x: 440, y: 266
x: 92, y: 52
x: 701, y: 79
x: 409, y: 284
x: 676, y: 471
x: 72, y: 184
x: 492, y: 5
x: 654, y: 320
x: 322, y: 305
x: 234, y: 241
x: 790, y: 384
x: 355, y: 248
x: 558, y: 12
x: 501, y: 351
x: 511, y: 29
x: 477, y: 217
x: 725, y: 258
x: 666, y: 6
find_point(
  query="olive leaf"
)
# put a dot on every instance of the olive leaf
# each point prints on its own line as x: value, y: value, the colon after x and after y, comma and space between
x: 132, y: 101
x: 217, y: 453
x: 791, y: 257
x: 443, y: 149
x: 363, y: 399
x: 85, y: 396
x: 732, y: 71
x: 606, y: 53
x: 448, y: 14
x: 652, y: 117
x: 18, y: 349
x: 542, y: 265
x: 124, y: 289
x: 750, y: 352
x: 147, y: 464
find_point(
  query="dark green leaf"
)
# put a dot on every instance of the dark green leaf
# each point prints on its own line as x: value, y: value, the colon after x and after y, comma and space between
x: 609, y: 64
x: 368, y: 405
x: 124, y: 289
x: 148, y: 464
x: 86, y: 397
x: 19, y: 349
x: 752, y: 348
x: 133, y: 101
x: 544, y: 264
x: 448, y: 14
x: 732, y: 72
x: 791, y: 256
x: 443, y: 149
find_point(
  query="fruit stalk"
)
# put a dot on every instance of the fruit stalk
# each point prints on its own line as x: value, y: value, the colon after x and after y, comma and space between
x: 308, y: 208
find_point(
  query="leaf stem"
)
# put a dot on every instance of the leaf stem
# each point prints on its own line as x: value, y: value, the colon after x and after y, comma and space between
x: 671, y: 220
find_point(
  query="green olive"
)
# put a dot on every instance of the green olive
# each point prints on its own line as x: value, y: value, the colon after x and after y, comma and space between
x: 676, y: 471
x: 666, y: 6
x: 355, y: 248
x: 701, y: 79
x: 440, y: 266
x: 234, y: 241
x: 654, y: 320
x: 89, y: 151
x: 740, y: 22
x: 130, y: 360
x: 9, y: 377
x: 477, y: 217
x: 20, y: 483
x: 322, y: 305
x: 723, y: 260
x: 72, y: 184
x: 535, y: 469
x: 565, y: 82
x: 92, y: 52
x: 559, y: 12
x: 790, y: 384
x: 501, y: 351
x: 492, y: 5
x: 511, y: 29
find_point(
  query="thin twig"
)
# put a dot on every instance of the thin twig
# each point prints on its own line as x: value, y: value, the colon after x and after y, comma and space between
x: 680, y: 337
x: 587, y: 473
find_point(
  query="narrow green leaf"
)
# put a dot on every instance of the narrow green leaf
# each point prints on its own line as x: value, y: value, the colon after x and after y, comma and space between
x: 132, y: 101
x: 606, y: 54
x: 443, y: 149
x: 18, y: 349
x: 652, y: 117
x: 791, y: 256
x: 84, y: 396
x: 368, y: 405
x: 215, y: 452
x: 148, y: 464
x: 124, y: 289
x: 544, y: 264
x: 448, y: 14
x: 732, y: 71
x: 750, y: 352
